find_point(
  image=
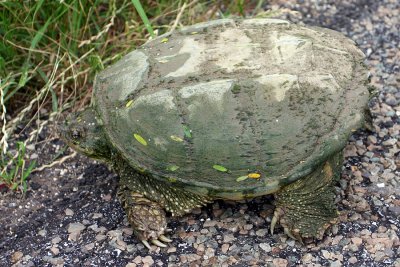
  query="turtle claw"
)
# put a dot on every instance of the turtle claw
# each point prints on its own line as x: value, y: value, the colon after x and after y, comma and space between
x: 158, y: 243
x: 288, y: 233
x: 164, y: 239
x: 146, y: 244
x: 273, y: 223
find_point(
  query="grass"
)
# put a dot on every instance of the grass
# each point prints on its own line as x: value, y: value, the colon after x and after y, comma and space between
x: 50, y: 52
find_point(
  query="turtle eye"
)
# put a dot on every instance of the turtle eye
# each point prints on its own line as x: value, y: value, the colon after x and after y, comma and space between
x: 75, y: 134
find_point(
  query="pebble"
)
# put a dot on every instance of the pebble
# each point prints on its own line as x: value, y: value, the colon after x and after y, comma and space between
x: 56, y: 240
x: 69, y: 212
x: 16, y: 256
x: 279, y: 262
x: 89, y: 246
x: 97, y: 215
x: 391, y: 100
x: 261, y: 232
x: 225, y: 248
x: 75, y: 227
x: 148, y: 260
x: 42, y: 233
x: 266, y: 247
x: 372, y: 139
x: 55, y: 250
x: 228, y: 238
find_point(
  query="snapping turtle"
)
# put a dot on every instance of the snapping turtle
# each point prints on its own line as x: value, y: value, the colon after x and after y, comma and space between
x: 227, y: 109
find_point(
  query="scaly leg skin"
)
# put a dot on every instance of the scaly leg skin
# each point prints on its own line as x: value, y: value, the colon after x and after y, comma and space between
x: 306, y: 208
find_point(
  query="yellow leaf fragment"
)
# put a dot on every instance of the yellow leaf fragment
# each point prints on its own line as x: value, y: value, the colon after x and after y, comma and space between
x: 176, y: 138
x: 254, y: 175
x: 129, y: 103
x: 164, y: 40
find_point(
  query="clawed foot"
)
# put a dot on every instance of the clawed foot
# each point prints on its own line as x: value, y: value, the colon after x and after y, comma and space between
x: 149, y: 224
x: 147, y: 218
x: 307, y: 226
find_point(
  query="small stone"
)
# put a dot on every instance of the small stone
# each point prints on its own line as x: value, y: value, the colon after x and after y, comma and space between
x: 389, y: 142
x: 131, y: 264
x: 372, y: 139
x: 307, y: 258
x: 356, y: 241
x: 335, y: 264
x: 75, y: 227
x: 69, y: 212
x: 42, y: 233
x: 56, y: 240
x: 224, y: 248
x: 89, y: 246
x: 55, y: 250
x: 97, y: 215
x: 352, y: 260
x: 369, y: 154
x: 261, y: 232
x: 16, y: 256
x: 266, y: 247
x: 148, y: 260
x: 327, y: 255
x: 209, y: 223
x: 391, y: 101
x: 279, y: 262
x: 379, y: 256
x: 54, y: 261
x: 171, y: 250
x: 74, y: 236
x: 395, y: 210
x: 228, y: 238
x: 100, y: 237
x: 137, y: 260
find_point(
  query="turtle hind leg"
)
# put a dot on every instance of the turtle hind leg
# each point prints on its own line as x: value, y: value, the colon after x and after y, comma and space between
x: 147, y: 218
x: 306, y: 208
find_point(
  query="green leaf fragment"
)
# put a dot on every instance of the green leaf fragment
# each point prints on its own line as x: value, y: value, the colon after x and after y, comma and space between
x: 242, y: 178
x: 187, y: 132
x: 172, y: 168
x: 220, y: 168
x: 129, y: 104
x: 164, y: 40
x: 140, y: 139
x: 176, y: 138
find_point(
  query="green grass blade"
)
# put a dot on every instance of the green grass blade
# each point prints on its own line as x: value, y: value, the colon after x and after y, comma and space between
x: 143, y: 16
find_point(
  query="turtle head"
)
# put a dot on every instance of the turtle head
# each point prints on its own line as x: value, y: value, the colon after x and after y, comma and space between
x: 84, y: 132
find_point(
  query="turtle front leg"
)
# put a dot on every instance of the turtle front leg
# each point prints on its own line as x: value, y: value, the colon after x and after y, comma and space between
x: 147, y: 218
x: 306, y: 208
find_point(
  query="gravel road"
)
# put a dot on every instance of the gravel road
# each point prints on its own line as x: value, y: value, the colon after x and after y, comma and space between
x: 70, y: 216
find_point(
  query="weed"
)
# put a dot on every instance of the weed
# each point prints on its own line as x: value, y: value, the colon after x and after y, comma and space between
x: 15, y: 177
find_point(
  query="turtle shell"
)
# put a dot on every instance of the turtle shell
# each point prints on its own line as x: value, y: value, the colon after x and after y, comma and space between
x: 233, y: 107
